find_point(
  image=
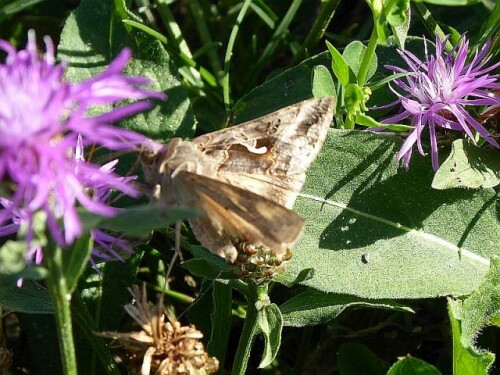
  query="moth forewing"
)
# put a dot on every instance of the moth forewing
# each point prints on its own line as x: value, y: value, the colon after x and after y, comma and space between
x: 235, y: 213
x: 269, y: 155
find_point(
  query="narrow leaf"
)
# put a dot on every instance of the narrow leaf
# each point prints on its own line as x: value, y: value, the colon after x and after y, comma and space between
x: 322, y: 82
x: 208, y: 265
x: 452, y: 3
x: 270, y: 323
x: 339, y: 65
x: 75, y: 260
x: 139, y: 221
x: 221, y: 318
x: 30, y: 298
x: 481, y: 306
x: 466, y: 359
x: 400, y: 31
x: 397, y: 15
x: 313, y: 307
x: 365, y: 120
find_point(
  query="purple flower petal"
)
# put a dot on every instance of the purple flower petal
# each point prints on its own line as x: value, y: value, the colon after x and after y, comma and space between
x: 437, y: 90
x: 42, y: 120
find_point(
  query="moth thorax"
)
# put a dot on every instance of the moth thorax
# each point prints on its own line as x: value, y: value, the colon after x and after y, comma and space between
x: 258, y: 261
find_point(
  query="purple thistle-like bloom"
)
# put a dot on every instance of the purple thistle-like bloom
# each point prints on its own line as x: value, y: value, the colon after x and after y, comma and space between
x: 41, y: 117
x: 106, y: 246
x: 437, y: 91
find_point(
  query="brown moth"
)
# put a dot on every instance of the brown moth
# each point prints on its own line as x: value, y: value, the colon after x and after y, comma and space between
x: 243, y: 180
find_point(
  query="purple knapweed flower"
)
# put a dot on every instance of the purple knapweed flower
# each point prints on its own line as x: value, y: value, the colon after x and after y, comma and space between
x: 107, y: 246
x: 41, y: 117
x: 437, y: 91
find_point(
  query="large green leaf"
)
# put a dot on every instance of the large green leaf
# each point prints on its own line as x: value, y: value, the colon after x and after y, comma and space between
x: 93, y: 35
x: 376, y: 231
x: 373, y: 230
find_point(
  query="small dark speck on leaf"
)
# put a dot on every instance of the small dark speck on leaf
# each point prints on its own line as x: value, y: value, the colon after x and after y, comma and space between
x: 364, y: 258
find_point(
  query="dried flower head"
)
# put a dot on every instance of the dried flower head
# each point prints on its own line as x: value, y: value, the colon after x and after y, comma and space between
x: 42, y: 116
x: 162, y: 348
x: 437, y: 92
x: 258, y: 262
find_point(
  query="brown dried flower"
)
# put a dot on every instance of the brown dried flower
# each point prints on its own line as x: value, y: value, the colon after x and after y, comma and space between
x: 163, y: 347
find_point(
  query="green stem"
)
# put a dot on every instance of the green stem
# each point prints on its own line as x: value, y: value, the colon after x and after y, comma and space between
x: 250, y: 329
x: 201, y: 24
x: 178, y: 39
x: 229, y: 52
x: 318, y: 29
x: 61, y: 298
x: 367, y: 57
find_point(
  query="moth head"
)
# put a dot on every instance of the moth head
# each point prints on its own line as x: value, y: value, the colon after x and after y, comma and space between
x: 150, y: 161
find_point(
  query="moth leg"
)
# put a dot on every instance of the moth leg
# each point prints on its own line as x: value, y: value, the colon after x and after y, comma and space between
x: 178, y: 240
x: 177, y: 252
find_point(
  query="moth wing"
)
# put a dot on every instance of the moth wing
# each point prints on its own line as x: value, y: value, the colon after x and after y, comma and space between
x: 227, y: 211
x: 269, y: 155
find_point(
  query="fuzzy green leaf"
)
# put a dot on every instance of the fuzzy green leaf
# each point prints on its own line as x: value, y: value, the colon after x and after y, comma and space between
x: 376, y: 231
x: 314, y: 307
x: 482, y: 305
x: 466, y: 359
x: 270, y: 323
x: 12, y: 255
x: 353, y: 55
x: 339, y: 66
x: 88, y: 43
x: 322, y: 84
x: 468, y: 166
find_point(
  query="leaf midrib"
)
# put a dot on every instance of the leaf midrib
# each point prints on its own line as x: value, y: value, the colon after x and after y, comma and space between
x: 426, y: 236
